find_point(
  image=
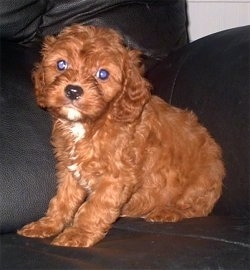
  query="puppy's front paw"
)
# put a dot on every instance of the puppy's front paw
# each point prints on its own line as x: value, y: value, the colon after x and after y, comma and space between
x: 75, y: 237
x: 45, y: 227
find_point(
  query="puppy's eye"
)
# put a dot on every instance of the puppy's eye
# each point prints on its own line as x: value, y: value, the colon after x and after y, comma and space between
x: 62, y: 65
x: 102, y: 74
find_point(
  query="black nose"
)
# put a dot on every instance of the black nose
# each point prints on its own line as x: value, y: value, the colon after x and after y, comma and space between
x: 73, y: 92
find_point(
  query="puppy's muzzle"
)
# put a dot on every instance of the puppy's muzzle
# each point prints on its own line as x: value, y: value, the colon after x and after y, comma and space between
x: 73, y: 92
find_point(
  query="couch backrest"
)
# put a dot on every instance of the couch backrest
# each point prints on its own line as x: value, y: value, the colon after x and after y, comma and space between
x: 155, y: 27
x: 20, y: 21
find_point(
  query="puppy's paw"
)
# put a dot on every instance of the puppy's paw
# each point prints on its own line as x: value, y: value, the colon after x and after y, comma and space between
x: 164, y: 215
x: 74, y: 237
x: 45, y: 227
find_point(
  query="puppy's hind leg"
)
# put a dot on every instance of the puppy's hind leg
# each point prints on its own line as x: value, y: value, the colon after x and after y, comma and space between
x: 194, y: 203
x: 164, y: 214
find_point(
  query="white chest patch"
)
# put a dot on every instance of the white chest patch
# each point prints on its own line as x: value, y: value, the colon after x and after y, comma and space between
x: 73, y: 114
x: 78, y: 131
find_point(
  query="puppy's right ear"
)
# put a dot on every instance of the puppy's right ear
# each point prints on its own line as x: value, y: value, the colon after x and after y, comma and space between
x: 38, y: 73
x: 38, y: 79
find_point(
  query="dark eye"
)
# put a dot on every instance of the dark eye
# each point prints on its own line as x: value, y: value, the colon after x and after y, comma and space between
x: 62, y: 65
x: 102, y: 74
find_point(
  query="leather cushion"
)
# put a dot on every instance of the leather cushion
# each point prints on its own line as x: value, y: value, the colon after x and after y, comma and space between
x: 201, y: 243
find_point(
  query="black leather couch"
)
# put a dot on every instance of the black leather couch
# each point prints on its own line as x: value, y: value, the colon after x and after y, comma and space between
x: 210, y: 76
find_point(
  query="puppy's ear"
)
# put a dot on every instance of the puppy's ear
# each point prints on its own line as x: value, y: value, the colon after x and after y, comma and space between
x: 38, y: 73
x: 38, y: 79
x: 135, y: 90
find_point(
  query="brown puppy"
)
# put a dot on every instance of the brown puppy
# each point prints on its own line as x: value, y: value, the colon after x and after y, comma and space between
x: 120, y: 151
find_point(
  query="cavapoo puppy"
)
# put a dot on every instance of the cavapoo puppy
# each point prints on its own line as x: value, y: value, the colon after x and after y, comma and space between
x: 120, y: 151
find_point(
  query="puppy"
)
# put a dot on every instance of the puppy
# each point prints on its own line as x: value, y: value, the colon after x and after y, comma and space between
x: 120, y: 151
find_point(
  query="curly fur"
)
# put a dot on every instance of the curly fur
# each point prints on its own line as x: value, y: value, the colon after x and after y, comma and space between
x: 119, y: 150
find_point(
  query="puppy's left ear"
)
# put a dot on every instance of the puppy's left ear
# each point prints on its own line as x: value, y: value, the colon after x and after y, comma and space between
x: 135, y: 90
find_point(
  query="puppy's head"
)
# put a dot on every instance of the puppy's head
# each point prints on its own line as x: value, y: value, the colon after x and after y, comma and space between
x: 86, y: 72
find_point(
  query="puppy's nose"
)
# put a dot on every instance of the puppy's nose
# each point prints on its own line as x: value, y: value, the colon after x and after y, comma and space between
x: 73, y: 92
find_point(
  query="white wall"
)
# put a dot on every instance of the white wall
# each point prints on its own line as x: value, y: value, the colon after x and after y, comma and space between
x: 210, y: 16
